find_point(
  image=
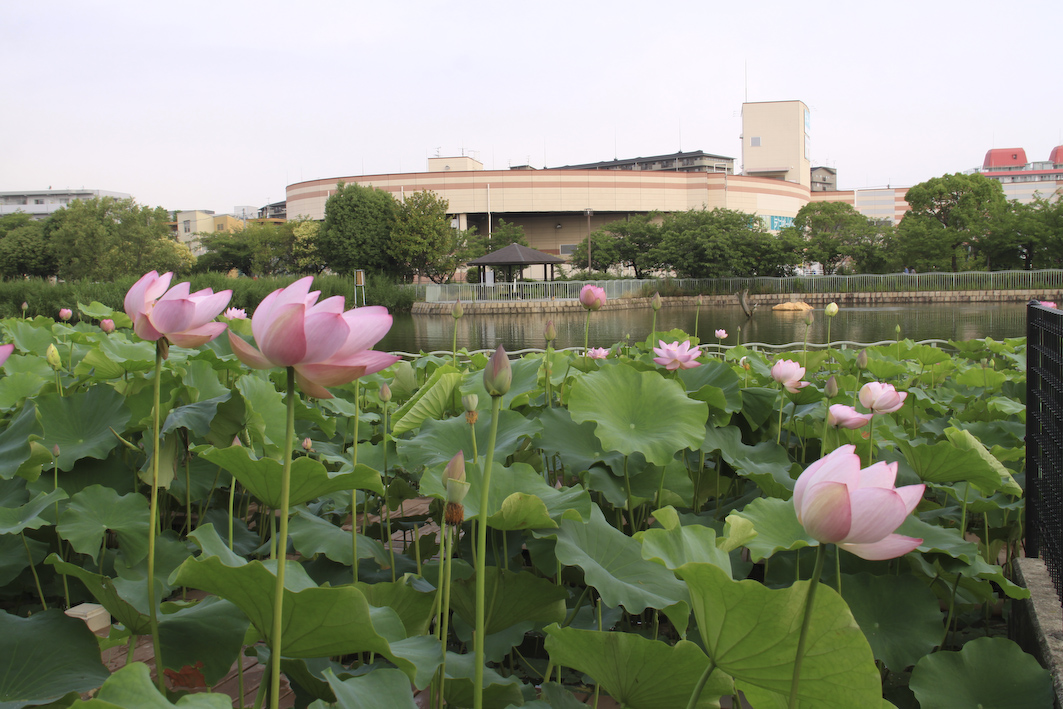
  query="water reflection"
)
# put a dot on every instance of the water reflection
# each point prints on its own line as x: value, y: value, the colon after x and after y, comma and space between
x: 919, y: 322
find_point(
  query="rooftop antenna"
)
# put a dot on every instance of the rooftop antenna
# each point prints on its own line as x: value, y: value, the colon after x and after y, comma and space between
x: 745, y: 69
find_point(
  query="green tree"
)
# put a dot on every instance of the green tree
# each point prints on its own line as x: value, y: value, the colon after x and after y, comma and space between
x: 423, y: 240
x: 720, y: 243
x: 25, y: 250
x: 829, y: 231
x: 104, y: 238
x: 956, y: 210
x: 604, y: 252
x: 305, y: 253
x: 356, y: 233
x: 874, y: 250
x: 636, y: 241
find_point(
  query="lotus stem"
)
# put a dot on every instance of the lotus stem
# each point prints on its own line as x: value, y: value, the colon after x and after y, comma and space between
x: 59, y: 539
x: 450, y: 537
x: 696, y: 694
x: 354, y: 493
x: 33, y: 569
x: 387, y: 492
x: 481, y: 552
x: 813, y: 584
x: 153, y: 617
x: 586, y: 336
x: 278, y: 595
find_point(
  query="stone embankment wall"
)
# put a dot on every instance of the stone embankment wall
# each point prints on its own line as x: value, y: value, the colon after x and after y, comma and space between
x: 765, y: 302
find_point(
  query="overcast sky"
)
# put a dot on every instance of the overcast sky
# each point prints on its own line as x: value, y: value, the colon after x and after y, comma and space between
x: 209, y: 105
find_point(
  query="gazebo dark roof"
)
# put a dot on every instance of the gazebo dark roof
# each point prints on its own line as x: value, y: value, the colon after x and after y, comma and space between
x: 515, y: 255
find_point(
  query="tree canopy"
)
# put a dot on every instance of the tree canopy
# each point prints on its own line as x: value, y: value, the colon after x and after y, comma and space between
x: 104, y: 238
x: 356, y: 233
x: 25, y: 249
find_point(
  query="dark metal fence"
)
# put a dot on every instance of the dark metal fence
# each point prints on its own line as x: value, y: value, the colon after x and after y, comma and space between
x: 1044, y: 439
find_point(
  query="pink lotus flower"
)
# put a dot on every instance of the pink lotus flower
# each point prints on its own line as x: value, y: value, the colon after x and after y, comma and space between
x: 107, y: 325
x: 846, y: 417
x: 838, y: 503
x: 721, y: 334
x: 788, y: 373
x: 1048, y: 303
x: 5, y: 352
x: 326, y: 345
x: 235, y: 314
x: 674, y: 355
x: 184, y: 319
x: 881, y: 398
x: 597, y: 353
x: 592, y: 297
x: 65, y: 314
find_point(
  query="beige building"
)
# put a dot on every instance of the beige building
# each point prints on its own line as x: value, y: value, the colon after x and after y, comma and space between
x: 776, y: 142
x: 199, y: 221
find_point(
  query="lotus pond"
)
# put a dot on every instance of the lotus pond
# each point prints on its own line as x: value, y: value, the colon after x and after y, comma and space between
x: 634, y: 537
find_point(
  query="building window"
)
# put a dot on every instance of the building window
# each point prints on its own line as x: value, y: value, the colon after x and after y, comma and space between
x: 754, y: 142
x: 568, y: 249
x: 186, y: 226
x: 38, y: 201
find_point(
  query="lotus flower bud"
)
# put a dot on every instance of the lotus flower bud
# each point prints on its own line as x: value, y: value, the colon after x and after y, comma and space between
x: 55, y: 450
x: 237, y: 441
x: 385, y: 393
x: 861, y: 359
x: 107, y: 325
x: 455, y: 470
x: 809, y: 318
x: 308, y: 445
x: 655, y: 302
x: 498, y: 376
x: 469, y: 401
x: 51, y: 356
x: 831, y: 310
x: 898, y: 330
x: 456, y: 312
x: 65, y: 314
x: 550, y: 333
x: 699, y: 302
x: 25, y: 306
x: 831, y: 388
x: 457, y: 488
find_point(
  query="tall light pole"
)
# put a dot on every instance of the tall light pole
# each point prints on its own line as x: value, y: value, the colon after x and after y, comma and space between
x: 588, y: 212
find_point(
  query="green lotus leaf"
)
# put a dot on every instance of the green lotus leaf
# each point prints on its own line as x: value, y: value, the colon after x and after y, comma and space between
x: 519, y: 498
x: 899, y: 615
x: 637, y: 672
x: 981, y: 377
x: 612, y: 563
x: 15, y: 446
x: 575, y: 443
x: 96, y: 310
x: 414, y: 607
x: 202, y: 381
x: 138, y: 356
x: 97, y: 510
x: 16, y: 388
x: 525, y: 382
x: 498, y: 692
x: 211, y: 631
x: 990, y: 673
x: 758, y: 405
x: 674, y: 544
x: 267, y: 414
x: 766, y: 463
x: 716, y: 384
x: 13, y: 520
x: 929, y: 356
x: 438, y: 441
x: 312, y: 535
x: 751, y: 633
x: 13, y: 557
x: 30, y: 338
x: 964, y: 440
x: 639, y: 412
x: 512, y: 598
x: 46, y: 656
x: 195, y: 417
x: 430, y: 402
x: 382, y: 688
x: 318, y: 622
x: 132, y: 688
x: 309, y: 478
x: 945, y: 540
x: 776, y: 525
x: 80, y: 424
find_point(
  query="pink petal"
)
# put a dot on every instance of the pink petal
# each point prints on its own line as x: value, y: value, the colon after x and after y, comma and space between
x: 197, y: 336
x: 284, y: 341
x: 173, y: 315
x: 911, y: 495
x: 825, y: 513
x: 838, y: 464
x: 889, y: 548
x: 5, y: 352
x: 368, y: 325
x: 248, y: 354
x: 211, y: 305
x: 335, y: 304
x: 134, y: 297
x: 876, y: 512
x: 325, y: 334
x: 310, y: 388
x: 144, y: 329
x: 881, y: 474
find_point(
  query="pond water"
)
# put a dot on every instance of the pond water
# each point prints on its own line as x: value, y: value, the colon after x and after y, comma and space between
x: 415, y: 333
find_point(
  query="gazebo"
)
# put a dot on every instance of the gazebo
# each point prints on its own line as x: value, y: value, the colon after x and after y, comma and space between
x: 517, y: 255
